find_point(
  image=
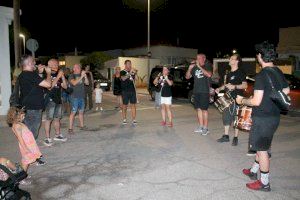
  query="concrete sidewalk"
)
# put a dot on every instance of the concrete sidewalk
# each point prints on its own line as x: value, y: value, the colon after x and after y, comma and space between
x: 114, y: 162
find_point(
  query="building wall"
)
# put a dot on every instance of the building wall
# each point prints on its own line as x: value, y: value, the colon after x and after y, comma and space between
x: 166, y: 54
x: 72, y: 60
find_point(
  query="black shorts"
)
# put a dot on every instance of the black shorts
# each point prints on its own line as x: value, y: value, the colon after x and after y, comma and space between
x: 229, y: 114
x: 262, y: 131
x: 129, y: 97
x: 201, y: 101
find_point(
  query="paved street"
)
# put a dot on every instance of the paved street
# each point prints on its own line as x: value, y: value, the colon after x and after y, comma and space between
x: 148, y: 162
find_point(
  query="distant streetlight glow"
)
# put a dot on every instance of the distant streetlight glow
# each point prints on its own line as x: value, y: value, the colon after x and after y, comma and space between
x: 23, y: 37
x: 234, y: 51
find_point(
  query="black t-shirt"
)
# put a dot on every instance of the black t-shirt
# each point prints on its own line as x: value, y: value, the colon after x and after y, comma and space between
x: 236, y: 78
x: 128, y: 84
x: 201, y: 82
x: 267, y: 107
x: 32, y: 95
x: 166, y: 90
x: 55, y: 92
x: 117, y: 84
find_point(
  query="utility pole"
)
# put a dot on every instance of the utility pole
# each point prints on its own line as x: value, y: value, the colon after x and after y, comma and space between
x: 17, y: 31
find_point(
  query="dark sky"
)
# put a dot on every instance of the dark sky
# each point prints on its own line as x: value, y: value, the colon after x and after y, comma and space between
x: 210, y: 26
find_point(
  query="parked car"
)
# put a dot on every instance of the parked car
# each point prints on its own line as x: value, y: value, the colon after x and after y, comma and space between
x: 105, y: 83
x: 182, y: 87
x: 294, y: 84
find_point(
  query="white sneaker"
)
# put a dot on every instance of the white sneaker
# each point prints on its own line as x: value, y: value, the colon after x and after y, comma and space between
x: 48, y: 142
x: 60, y: 138
x: 96, y: 108
x: 124, y: 122
x: 199, y: 129
x: 101, y: 109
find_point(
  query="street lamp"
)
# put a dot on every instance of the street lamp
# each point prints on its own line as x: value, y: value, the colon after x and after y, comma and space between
x: 23, y: 37
x: 234, y: 51
x: 148, y: 40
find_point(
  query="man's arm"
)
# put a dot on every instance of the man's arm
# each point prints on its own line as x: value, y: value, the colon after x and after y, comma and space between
x: 47, y: 82
x: 188, y: 74
x: 252, y: 101
x: 206, y: 73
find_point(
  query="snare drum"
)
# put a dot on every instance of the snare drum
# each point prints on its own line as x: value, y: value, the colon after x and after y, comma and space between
x: 243, y: 119
x: 224, y: 101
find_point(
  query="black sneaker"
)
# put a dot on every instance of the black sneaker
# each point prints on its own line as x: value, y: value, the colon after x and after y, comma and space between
x: 251, y: 153
x: 40, y: 162
x: 224, y: 138
x: 235, y: 141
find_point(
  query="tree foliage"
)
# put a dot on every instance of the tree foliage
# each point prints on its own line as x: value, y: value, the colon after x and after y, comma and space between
x: 95, y: 60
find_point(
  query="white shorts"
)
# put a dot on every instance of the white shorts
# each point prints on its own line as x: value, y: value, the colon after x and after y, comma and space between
x: 166, y: 100
x: 98, y: 100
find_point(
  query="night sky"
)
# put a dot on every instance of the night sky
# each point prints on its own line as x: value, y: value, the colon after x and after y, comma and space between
x: 209, y: 26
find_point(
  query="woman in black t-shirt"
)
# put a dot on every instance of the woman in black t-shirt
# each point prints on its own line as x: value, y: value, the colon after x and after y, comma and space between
x: 166, y: 82
x: 117, y: 87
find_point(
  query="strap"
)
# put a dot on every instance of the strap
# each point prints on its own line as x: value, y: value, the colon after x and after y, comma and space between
x: 278, y: 78
x: 270, y: 81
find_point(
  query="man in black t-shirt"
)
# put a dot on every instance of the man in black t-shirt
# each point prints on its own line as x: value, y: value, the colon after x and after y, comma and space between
x: 202, y: 72
x: 32, y: 93
x: 265, y: 115
x: 128, y: 92
x: 235, y: 84
x: 53, y: 108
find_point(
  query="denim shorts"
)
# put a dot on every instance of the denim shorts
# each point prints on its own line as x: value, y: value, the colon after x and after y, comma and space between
x: 66, y: 97
x: 53, y: 110
x: 77, y: 104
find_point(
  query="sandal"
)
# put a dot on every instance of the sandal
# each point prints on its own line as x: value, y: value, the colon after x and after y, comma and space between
x: 70, y: 131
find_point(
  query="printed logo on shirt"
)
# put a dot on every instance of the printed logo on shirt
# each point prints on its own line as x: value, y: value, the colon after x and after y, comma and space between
x: 199, y: 73
x: 232, y: 78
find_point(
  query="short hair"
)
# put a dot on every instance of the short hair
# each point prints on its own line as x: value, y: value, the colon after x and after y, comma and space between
x: 238, y: 58
x: 267, y: 51
x: 126, y: 61
x: 52, y: 60
x: 24, y: 60
x: 201, y: 54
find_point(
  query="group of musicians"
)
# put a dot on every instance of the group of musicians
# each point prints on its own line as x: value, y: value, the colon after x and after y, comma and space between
x: 265, y: 114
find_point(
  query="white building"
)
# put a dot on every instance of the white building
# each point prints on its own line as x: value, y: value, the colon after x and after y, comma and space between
x: 289, y: 44
x: 168, y: 55
x: 6, y: 16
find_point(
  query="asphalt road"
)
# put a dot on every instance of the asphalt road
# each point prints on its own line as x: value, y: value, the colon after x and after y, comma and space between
x: 148, y: 161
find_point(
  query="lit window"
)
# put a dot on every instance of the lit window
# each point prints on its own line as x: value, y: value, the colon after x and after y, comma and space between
x: 62, y: 63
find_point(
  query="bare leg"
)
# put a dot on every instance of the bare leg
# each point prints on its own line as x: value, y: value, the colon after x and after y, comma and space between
x: 168, y: 107
x: 133, y: 111
x: 47, y: 128
x: 205, y: 118
x: 236, y: 132
x: 163, y: 112
x: 200, y: 117
x: 25, y: 166
x: 124, y: 112
x: 80, y: 116
x: 72, y: 116
x: 264, y: 161
x: 226, y: 129
x: 57, y: 126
